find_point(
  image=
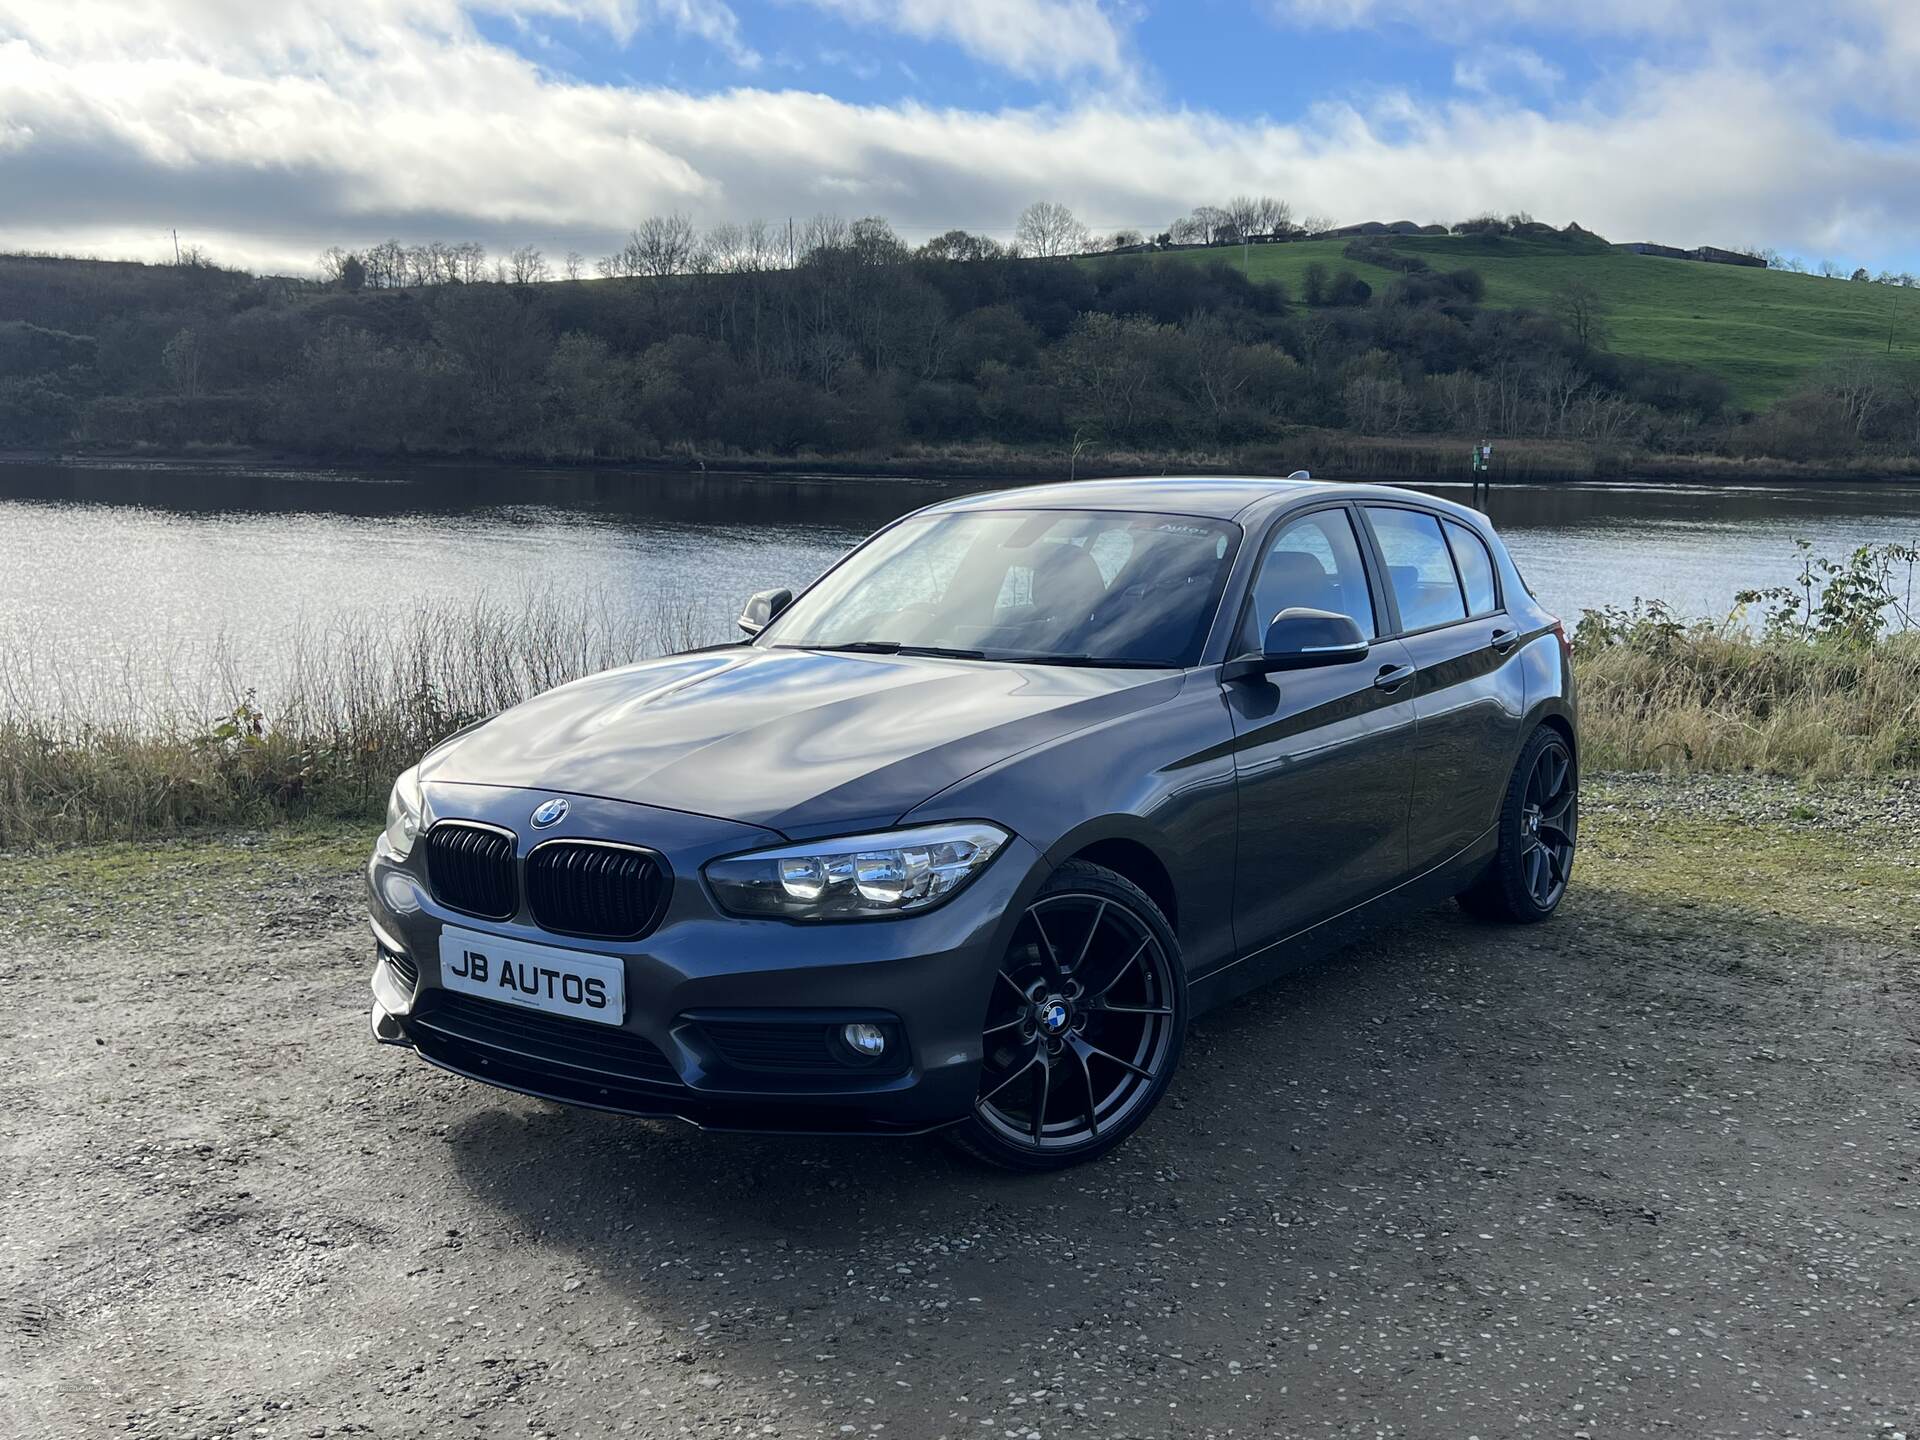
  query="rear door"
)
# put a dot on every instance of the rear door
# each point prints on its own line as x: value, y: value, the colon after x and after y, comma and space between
x: 1322, y: 757
x: 1468, y: 696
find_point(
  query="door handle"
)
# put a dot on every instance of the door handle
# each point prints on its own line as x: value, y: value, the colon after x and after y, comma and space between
x: 1392, y: 677
x: 1503, y: 641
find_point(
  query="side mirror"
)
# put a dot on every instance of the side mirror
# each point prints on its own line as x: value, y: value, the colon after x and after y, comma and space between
x: 761, y: 607
x: 1302, y: 639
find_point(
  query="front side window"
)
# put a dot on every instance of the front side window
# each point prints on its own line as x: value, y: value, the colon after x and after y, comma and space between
x: 1419, y: 567
x: 1081, y: 587
x: 1313, y: 562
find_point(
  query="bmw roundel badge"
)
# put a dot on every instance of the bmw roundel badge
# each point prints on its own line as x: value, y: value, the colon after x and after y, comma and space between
x: 551, y: 812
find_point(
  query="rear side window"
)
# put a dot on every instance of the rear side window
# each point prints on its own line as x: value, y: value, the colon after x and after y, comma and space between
x: 1470, y: 557
x: 1419, y: 568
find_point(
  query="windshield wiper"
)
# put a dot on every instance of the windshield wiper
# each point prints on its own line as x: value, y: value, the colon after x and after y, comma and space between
x: 890, y: 647
x: 1011, y: 657
x: 1094, y: 662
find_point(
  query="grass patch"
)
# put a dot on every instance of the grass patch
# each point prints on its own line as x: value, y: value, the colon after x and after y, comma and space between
x: 1762, y: 330
x: 125, y: 886
x: 1672, y: 851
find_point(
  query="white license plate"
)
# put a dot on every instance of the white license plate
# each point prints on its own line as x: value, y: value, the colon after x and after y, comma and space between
x: 534, y: 977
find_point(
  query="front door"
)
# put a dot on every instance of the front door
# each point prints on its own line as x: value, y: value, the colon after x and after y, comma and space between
x: 1323, y: 757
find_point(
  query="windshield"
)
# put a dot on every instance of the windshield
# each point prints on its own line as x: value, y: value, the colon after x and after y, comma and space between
x: 1064, y: 587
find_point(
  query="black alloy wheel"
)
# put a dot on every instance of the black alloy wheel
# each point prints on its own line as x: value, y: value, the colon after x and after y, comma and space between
x: 1084, y: 1025
x: 1549, y: 818
x: 1539, y: 831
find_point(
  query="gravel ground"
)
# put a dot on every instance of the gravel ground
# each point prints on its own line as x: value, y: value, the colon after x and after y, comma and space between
x: 1652, y: 1168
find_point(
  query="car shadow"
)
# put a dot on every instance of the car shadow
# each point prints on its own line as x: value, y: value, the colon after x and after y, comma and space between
x: 1377, y: 1117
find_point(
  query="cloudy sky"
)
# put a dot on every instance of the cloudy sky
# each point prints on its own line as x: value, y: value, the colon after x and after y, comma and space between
x: 266, y: 130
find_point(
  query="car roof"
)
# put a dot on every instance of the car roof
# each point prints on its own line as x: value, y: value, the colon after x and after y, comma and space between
x: 1217, y: 497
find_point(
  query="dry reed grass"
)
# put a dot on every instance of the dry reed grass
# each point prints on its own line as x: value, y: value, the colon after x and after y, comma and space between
x: 1720, y: 700
x: 363, y: 694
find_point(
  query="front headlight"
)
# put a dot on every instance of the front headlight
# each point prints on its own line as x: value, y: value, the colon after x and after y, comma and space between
x: 404, y: 809
x: 861, y: 877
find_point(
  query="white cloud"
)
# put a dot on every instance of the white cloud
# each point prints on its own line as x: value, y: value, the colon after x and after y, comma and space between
x: 1456, y: 17
x: 345, y: 123
x: 1029, y: 37
x: 1489, y: 69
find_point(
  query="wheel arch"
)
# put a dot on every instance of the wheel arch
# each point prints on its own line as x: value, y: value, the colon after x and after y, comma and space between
x: 1555, y: 715
x: 1129, y: 848
x: 1135, y: 861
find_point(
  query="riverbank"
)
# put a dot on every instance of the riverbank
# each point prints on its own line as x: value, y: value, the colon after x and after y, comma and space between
x: 368, y: 698
x: 1329, y: 455
x: 1503, y: 1178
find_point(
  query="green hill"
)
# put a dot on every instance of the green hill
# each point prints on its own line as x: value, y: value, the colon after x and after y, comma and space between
x: 1760, y: 329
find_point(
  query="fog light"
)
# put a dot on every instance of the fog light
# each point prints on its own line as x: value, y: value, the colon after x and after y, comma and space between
x: 869, y: 1042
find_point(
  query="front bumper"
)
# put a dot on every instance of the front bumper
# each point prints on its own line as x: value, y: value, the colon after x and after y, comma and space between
x: 928, y: 975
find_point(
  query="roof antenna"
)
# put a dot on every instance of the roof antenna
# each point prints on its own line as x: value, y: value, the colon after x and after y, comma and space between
x: 1299, y: 475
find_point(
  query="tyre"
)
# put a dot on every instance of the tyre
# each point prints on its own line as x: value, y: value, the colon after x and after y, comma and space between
x: 1539, y: 828
x: 1083, y: 1028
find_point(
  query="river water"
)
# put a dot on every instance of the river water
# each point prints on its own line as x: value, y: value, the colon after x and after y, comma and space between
x: 129, y: 569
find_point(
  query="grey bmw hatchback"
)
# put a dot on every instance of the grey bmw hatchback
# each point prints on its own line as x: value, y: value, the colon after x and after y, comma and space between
x: 964, y: 835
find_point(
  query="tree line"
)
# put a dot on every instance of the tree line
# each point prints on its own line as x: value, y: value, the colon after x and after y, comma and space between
x: 843, y: 340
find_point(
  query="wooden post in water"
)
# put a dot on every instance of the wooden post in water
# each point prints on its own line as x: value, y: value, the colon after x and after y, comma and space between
x: 1483, y: 470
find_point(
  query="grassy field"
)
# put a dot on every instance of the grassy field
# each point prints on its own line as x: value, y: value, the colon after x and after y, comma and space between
x: 1761, y: 329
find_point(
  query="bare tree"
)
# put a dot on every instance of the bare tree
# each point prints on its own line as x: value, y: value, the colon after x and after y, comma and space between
x: 1216, y: 369
x: 527, y: 266
x: 1905, y: 380
x: 1189, y: 230
x: 386, y: 265
x: 575, y: 264
x: 1832, y: 270
x: 332, y: 261
x: 470, y: 259
x: 661, y: 245
x: 732, y: 249
x: 726, y: 248
x: 1379, y: 405
x: 665, y: 244
x: 1558, y: 381
x: 1583, y: 310
x: 182, y: 361
x: 873, y: 243
x: 822, y: 232
x: 1215, y: 228
x: 1858, y: 385
x: 961, y: 245
x: 1315, y: 224
x: 1048, y: 228
x: 1252, y: 215
x: 765, y: 249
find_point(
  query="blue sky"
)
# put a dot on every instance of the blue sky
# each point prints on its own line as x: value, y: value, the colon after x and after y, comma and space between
x: 1220, y: 55
x: 269, y: 132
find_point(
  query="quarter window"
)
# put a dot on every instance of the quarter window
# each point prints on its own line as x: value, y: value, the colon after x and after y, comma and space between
x: 1419, y: 568
x: 1470, y: 557
x: 1314, y: 562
